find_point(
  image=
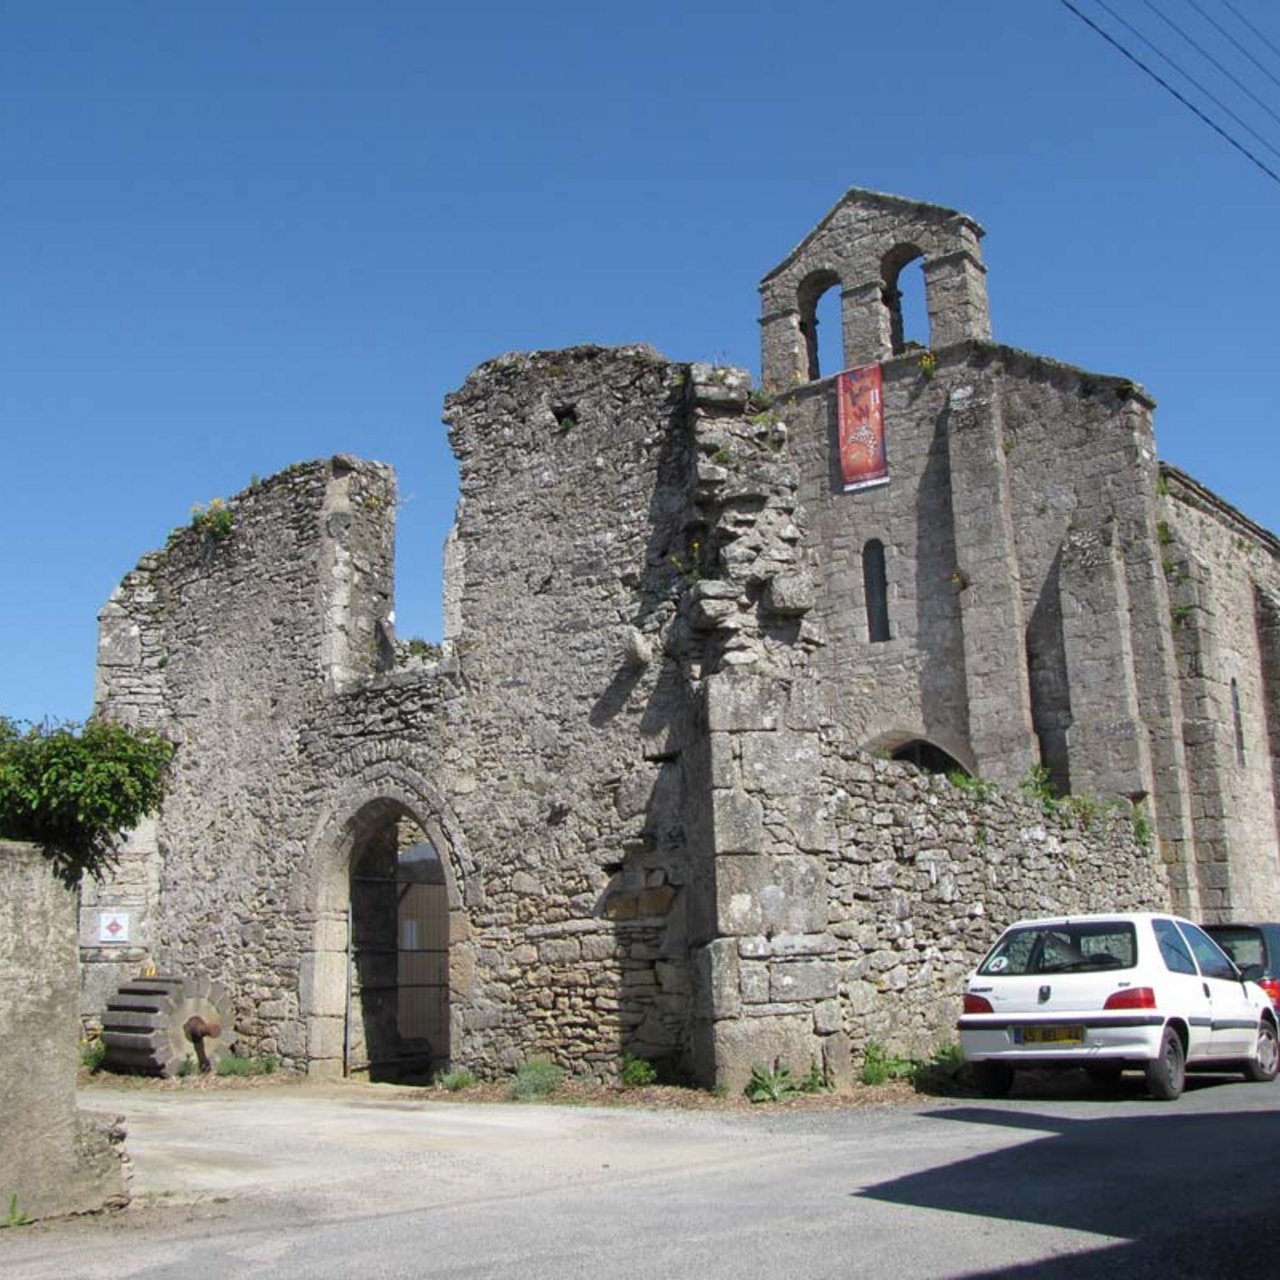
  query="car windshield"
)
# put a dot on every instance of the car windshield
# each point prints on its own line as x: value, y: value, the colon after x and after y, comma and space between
x: 1081, y: 947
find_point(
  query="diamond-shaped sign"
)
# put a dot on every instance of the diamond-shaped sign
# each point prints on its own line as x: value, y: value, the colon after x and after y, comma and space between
x: 113, y: 926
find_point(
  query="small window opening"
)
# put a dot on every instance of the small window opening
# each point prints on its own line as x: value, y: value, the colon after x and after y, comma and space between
x: 876, y: 589
x: 1238, y: 721
x: 924, y: 755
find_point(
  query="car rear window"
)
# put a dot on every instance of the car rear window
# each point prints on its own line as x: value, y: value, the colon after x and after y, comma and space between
x: 1243, y: 943
x: 1086, y: 947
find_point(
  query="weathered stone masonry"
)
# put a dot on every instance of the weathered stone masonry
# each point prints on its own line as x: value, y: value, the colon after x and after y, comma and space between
x: 650, y: 758
x: 53, y: 1159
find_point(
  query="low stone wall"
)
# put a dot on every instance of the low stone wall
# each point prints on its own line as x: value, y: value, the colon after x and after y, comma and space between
x: 853, y: 894
x: 53, y: 1159
x: 926, y: 874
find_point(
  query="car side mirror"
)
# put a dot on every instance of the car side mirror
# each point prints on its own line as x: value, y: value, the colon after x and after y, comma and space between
x: 1250, y: 972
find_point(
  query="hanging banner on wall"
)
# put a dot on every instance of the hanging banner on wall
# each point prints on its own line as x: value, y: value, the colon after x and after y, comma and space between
x: 860, y: 417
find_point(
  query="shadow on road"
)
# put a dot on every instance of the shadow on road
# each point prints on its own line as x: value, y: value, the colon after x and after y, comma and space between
x: 1190, y: 1195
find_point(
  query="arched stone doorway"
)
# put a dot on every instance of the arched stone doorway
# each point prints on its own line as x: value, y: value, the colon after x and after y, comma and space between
x: 390, y: 945
x: 398, y: 977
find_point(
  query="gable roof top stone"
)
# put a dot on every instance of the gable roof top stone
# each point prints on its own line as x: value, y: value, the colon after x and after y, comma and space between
x: 920, y: 210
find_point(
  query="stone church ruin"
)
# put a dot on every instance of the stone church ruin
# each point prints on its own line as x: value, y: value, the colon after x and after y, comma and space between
x: 722, y: 761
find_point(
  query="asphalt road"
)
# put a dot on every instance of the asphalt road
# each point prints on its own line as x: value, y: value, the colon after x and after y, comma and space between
x: 371, y: 1182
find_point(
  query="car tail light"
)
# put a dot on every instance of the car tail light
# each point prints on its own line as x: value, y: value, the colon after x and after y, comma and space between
x: 1272, y: 987
x: 976, y: 1004
x: 1131, y: 998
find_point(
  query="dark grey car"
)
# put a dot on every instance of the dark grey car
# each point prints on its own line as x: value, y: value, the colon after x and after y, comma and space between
x: 1250, y: 944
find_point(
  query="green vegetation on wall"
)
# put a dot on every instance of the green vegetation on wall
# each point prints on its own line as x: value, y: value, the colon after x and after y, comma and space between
x: 76, y: 790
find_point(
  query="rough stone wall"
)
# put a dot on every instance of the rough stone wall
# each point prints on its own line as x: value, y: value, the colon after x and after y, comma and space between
x: 912, y: 685
x: 542, y: 757
x: 53, y: 1159
x: 1027, y: 619
x: 574, y: 526
x: 228, y: 645
x: 924, y: 874
x: 1223, y: 572
x: 845, y: 897
x: 860, y: 923
x: 1028, y: 616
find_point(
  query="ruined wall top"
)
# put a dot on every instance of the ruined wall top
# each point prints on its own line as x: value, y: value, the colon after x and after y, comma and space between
x: 861, y: 247
x: 287, y: 591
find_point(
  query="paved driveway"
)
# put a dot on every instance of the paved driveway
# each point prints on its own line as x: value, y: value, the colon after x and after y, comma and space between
x: 360, y: 1181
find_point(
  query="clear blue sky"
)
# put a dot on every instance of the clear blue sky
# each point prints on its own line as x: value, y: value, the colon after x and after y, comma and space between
x: 236, y: 236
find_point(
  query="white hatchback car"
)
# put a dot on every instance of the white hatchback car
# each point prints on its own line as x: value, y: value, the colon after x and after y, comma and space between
x: 1107, y: 993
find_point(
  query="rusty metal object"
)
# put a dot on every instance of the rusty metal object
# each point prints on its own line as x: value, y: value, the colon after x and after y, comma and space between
x: 196, y: 1029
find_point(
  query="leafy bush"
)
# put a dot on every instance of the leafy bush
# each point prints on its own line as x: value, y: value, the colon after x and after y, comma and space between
x: 638, y: 1072
x: 942, y: 1074
x: 456, y: 1081
x: 815, y: 1079
x: 424, y: 649
x: 771, y: 1086
x: 15, y: 1217
x: 76, y: 791
x: 215, y: 521
x: 779, y: 1084
x: 979, y: 788
x: 879, y: 1066
x: 1038, y: 786
x: 232, y: 1064
x: 538, y: 1078
x: 92, y: 1054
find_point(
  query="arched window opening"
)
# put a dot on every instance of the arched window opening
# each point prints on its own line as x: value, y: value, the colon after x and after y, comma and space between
x: 904, y: 297
x: 932, y: 759
x: 821, y: 323
x: 1237, y: 721
x: 875, y: 587
x: 398, y: 984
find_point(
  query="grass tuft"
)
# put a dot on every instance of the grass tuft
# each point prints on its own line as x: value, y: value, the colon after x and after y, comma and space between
x: 538, y: 1078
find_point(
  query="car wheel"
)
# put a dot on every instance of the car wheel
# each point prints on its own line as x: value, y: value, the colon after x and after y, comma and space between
x: 994, y: 1079
x: 1265, y: 1062
x: 1167, y: 1072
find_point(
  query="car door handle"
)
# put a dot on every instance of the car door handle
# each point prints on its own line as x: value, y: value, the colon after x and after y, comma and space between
x: 1204, y: 986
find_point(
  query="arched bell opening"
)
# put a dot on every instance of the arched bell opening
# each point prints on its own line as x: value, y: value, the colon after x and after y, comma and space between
x: 821, y: 323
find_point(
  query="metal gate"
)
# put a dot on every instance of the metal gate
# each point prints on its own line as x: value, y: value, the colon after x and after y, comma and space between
x: 397, y: 1017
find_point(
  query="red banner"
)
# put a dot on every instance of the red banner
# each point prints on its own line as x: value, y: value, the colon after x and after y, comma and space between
x: 860, y: 414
